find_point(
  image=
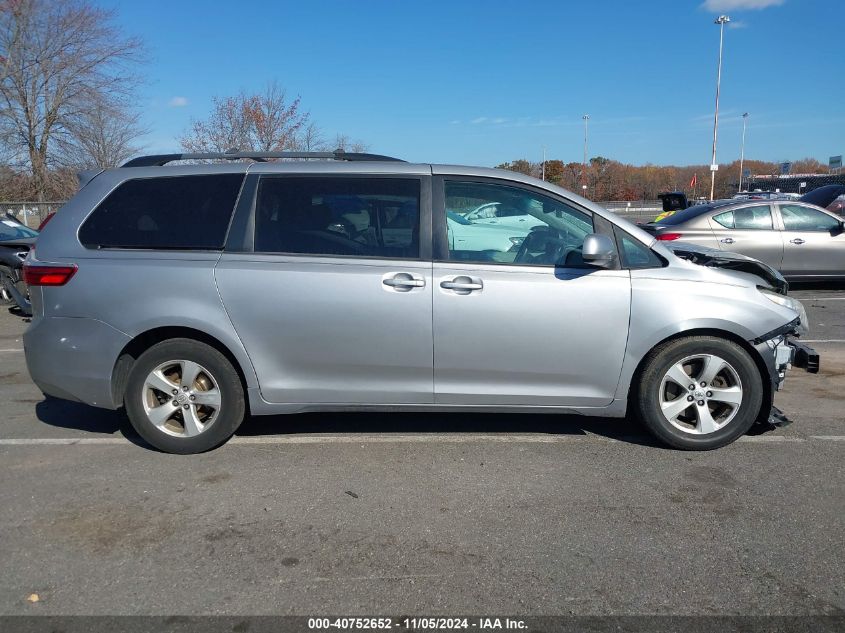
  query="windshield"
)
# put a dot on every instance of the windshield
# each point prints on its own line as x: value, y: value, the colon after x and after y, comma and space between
x: 11, y: 230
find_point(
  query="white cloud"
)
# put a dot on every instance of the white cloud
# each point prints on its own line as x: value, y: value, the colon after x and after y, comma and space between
x: 178, y: 102
x: 718, y: 6
x: 498, y: 120
x: 737, y: 24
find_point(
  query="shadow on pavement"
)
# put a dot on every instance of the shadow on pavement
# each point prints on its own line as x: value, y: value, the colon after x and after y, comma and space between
x: 65, y: 414
x: 440, y: 423
x: 817, y: 285
x: 81, y: 417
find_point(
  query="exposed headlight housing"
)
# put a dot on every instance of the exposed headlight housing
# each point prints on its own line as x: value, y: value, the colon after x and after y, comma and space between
x: 792, y: 304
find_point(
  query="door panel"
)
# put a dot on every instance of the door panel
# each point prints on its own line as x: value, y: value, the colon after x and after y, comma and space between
x: 816, y: 252
x: 529, y: 335
x: 749, y: 231
x: 330, y: 330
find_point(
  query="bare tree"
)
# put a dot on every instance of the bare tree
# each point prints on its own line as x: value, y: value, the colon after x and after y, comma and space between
x: 263, y: 122
x: 345, y: 144
x: 62, y: 58
x: 104, y: 137
x: 311, y: 139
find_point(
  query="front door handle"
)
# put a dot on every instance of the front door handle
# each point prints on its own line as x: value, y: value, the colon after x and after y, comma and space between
x: 462, y: 285
x: 403, y: 282
x: 727, y: 240
x: 797, y: 240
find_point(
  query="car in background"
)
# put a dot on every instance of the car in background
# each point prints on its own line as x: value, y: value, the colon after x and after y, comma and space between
x: 803, y: 241
x: 499, y: 214
x: 762, y: 195
x: 838, y: 206
x: 16, y: 240
x: 490, y: 238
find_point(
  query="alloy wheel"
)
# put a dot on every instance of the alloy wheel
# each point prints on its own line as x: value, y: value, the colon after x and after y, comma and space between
x: 181, y: 398
x: 700, y: 394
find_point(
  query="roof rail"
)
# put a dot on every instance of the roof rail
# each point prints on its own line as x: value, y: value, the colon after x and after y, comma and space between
x: 157, y: 160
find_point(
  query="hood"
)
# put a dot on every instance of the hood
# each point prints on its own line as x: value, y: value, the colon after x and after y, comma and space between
x: 714, y: 258
x: 823, y: 196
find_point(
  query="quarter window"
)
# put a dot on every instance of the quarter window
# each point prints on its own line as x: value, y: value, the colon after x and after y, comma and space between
x: 500, y: 224
x: 363, y: 217
x: 635, y: 254
x: 176, y: 212
x: 798, y: 218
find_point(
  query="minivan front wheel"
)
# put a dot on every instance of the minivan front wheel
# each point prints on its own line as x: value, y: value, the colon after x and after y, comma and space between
x: 700, y: 392
x: 184, y: 396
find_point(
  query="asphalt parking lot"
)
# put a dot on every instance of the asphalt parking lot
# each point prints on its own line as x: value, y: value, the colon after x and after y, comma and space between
x: 424, y: 514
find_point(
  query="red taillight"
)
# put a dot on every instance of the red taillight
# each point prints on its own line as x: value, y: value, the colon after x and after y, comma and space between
x: 35, y: 275
x: 668, y: 237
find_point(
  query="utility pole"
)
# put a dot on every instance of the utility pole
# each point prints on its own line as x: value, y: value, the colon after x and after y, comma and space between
x: 586, y: 118
x: 721, y: 21
x: 544, y: 162
x: 742, y: 151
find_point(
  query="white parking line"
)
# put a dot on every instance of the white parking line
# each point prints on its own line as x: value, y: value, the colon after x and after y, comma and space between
x: 823, y: 340
x: 9, y: 351
x: 402, y: 439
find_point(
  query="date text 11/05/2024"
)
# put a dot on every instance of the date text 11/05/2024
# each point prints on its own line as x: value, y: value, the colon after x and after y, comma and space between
x: 417, y: 623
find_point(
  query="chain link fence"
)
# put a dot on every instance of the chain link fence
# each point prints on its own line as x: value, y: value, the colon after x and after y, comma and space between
x: 634, y: 210
x: 30, y: 214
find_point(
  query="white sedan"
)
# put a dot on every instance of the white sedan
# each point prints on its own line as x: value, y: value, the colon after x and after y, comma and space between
x: 470, y: 236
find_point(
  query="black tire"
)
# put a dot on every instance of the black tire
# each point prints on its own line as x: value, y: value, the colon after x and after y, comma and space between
x: 660, y: 361
x: 232, y: 404
x: 5, y: 282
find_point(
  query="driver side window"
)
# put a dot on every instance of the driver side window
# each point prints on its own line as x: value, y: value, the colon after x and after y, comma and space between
x: 524, y: 228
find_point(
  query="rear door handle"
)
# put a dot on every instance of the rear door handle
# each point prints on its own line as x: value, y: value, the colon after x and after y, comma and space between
x: 403, y: 282
x: 727, y: 240
x: 797, y: 240
x: 462, y: 285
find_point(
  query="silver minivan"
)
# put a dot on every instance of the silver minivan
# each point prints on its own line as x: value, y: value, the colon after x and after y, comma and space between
x: 195, y: 294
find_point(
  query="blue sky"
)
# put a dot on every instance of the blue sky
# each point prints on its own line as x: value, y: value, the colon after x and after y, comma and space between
x: 488, y: 81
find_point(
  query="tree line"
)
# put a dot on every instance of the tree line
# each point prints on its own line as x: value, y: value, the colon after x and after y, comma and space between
x: 70, y: 81
x: 608, y: 179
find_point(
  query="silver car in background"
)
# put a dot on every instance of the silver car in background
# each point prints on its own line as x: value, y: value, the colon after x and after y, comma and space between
x: 802, y: 241
x: 193, y: 295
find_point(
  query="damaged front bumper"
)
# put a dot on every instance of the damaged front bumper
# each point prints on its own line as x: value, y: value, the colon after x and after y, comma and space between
x: 781, y: 350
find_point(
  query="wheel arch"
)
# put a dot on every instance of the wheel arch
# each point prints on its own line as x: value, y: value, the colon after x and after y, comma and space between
x: 768, y: 393
x: 145, y: 340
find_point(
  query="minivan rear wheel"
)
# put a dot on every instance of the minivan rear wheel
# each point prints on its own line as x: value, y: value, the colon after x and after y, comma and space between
x: 699, y: 392
x: 183, y: 396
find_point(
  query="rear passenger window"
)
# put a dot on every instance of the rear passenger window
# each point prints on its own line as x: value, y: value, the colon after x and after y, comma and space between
x: 757, y: 217
x: 363, y: 217
x: 177, y: 212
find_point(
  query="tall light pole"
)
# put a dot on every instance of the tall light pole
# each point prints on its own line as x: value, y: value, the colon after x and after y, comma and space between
x: 586, y: 118
x: 544, y: 162
x: 721, y: 21
x: 742, y: 151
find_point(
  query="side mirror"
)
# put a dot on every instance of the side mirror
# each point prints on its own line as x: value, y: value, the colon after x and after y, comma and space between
x: 598, y: 250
